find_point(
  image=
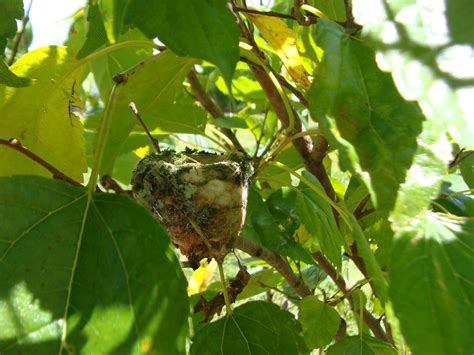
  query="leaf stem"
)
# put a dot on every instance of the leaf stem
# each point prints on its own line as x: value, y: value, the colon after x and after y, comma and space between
x: 102, y: 140
x: 228, y: 306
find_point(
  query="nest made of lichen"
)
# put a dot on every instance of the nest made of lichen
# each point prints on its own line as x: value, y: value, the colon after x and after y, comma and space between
x: 199, y: 197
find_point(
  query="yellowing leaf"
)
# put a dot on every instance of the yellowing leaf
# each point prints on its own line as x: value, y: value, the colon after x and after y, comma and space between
x: 283, y: 41
x: 40, y: 117
x: 142, y: 151
x: 201, y: 277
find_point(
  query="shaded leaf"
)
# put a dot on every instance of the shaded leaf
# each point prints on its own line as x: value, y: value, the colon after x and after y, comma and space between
x: 408, y: 45
x: 96, y: 35
x: 39, y: 115
x: 263, y: 228
x: 361, y: 112
x: 431, y: 284
x: 9, y: 78
x: 466, y: 166
x: 318, y: 219
x: 319, y: 321
x: 260, y: 282
x: 10, y: 10
x: 361, y: 344
x: 253, y: 328
x: 95, y: 267
x: 203, y: 29
x: 334, y: 9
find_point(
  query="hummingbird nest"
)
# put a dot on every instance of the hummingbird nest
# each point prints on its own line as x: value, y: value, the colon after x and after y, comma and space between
x: 200, y: 198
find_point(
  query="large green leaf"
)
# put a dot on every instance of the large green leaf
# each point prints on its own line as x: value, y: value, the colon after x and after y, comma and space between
x: 96, y: 34
x: 431, y: 284
x: 203, y: 29
x: 9, y: 11
x: 155, y: 86
x: 318, y: 218
x: 92, y: 275
x: 39, y: 115
x: 320, y: 322
x: 254, y: 328
x: 361, y: 344
x: 428, y: 48
x: 361, y: 112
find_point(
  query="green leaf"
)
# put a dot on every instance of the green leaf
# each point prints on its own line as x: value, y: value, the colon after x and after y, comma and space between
x: 431, y: 284
x: 9, y: 11
x: 260, y: 282
x: 96, y: 34
x: 361, y: 112
x: 318, y: 218
x: 334, y: 9
x: 466, y: 166
x: 264, y: 228
x: 319, y: 321
x: 87, y: 270
x: 403, y: 32
x: 230, y: 122
x: 203, y: 29
x: 39, y: 115
x: 253, y: 328
x: 153, y: 87
x: 9, y: 78
x: 425, y: 175
x: 113, y: 14
x: 361, y: 344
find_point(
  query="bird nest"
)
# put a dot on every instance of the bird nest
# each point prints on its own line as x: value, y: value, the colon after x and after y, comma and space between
x: 199, y: 197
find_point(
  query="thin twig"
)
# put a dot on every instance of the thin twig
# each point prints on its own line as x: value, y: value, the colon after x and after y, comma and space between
x: 369, y: 319
x: 210, y: 106
x: 264, y: 13
x: 19, y: 35
x: 153, y: 140
x: 16, y: 145
x: 280, y: 264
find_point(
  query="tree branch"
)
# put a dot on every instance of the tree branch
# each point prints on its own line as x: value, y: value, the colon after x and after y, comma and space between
x: 312, y: 155
x: 264, y: 13
x: 19, y: 35
x: 280, y: 264
x: 210, y: 106
x: 16, y: 145
x: 369, y: 319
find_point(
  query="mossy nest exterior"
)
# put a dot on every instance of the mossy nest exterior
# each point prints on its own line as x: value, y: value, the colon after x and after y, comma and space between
x: 195, y: 193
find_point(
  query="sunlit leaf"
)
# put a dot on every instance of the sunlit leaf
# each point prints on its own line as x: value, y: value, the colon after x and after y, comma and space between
x: 431, y: 284
x: 432, y: 42
x: 361, y: 112
x: 82, y: 273
x: 283, y: 41
x: 153, y: 87
x: 39, y: 115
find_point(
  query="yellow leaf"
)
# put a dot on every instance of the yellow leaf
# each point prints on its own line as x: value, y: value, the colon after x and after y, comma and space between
x: 283, y: 41
x: 200, y: 278
x: 142, y: 151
